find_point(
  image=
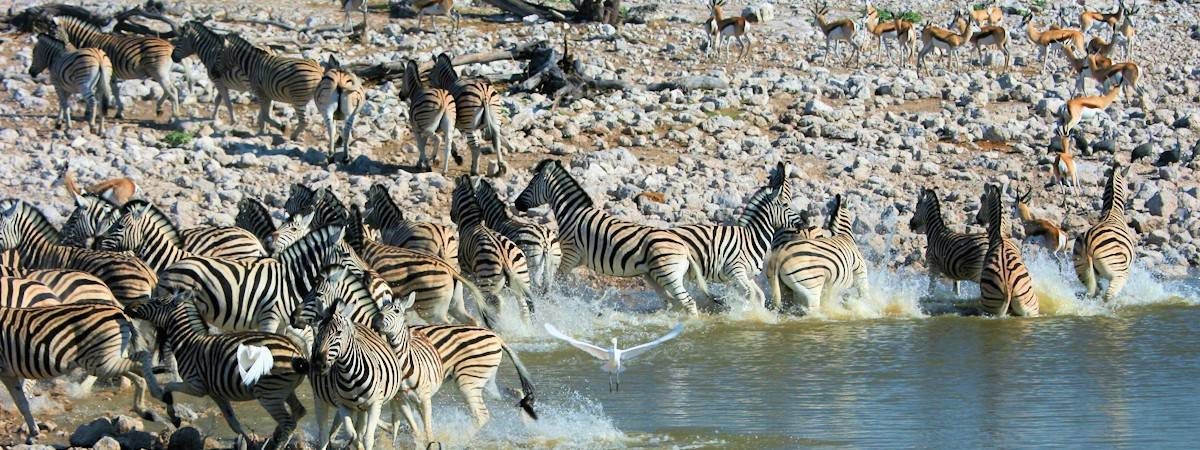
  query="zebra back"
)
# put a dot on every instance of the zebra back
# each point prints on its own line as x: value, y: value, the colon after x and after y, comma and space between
x: 71, y: 286
x: 17, y: 292
x: 45, y: 342
x: 280, y: 78
x: 132, y: 56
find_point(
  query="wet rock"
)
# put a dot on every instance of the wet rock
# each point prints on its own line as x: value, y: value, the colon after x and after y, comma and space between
x: 125, y: 424
x: 137, y: 440
x: 186, y: 438
x: 88, y: 434
x: 107, y: 443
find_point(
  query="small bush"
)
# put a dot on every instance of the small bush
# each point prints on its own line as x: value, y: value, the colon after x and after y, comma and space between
x: 177, y: 138
x: 911, y: 17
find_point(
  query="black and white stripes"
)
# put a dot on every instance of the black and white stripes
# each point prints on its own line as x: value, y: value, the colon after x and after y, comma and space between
x: 84, y: 71
x: 1106, y: 250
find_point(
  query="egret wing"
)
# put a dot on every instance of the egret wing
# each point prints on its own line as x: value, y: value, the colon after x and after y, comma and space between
x: 593, y: 350
x: 637, y: 350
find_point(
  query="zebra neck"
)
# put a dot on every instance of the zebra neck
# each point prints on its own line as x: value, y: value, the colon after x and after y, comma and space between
x: 934, y: 225
x: 210, y: 48
x: 399, y: 341
x: 185, y: 327
x: 160, y: 253
x: 997, y: 225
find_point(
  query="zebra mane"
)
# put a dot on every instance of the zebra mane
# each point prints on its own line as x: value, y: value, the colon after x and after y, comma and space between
x: 761, y: 199
x: 489, y: 200
x: 353, y: 289
x: 31, y: 219
x: 839, y: 217
x: 158, y: 220
x: 1114, y: 191
x: 382, y: 208
x: 354, y: 229
x: 252, y: 216
x: 236, y: 40
x: 443, y: 74
x: 464, y: 210
x: 561, y: 175
x: 53, y: 41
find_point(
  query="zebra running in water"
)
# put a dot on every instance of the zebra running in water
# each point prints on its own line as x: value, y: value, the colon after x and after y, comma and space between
x: 477, y: 108
x: 736, y: 253
x: 816, y: 270
x: 51, y: 341
x: 491, y: 259
x: 606, y: 244
x: 470, y: 355
x: 83, y: 71
x: 69, y: 286
x: 339, y: 96
x: 381, y: 213
x: 275, y: 78
x: 94, y: 216
x: 430, y: 110
x: 194, y: 38
x: 133, y: 57
x: 228, y: 367
x: 538, y: 242
x: 25, y: 229
x: 438, y: 285
x: 1106, y: 250
x: 260, y: 295
x: 356, y: 371
x: 957, y: 256
x: 1005, y: 286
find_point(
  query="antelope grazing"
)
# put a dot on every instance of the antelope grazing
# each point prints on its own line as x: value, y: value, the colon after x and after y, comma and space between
x: 1098, y: 46
x: 1051, y: 36
x: 733, y: 28
x: 992, y: 14
x: 933, y: 37
x: 436, y: 8
x: 835, y: 32
x: 991, y: 36
x: 1052, y: 236
x: 1078, y: 108
x: 116, y: 190
x: 1064, y: 168
x: 897, y: 28
x: 1088, y: 19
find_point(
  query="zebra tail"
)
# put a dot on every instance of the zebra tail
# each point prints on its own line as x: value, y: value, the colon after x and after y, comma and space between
x: 477, y: 294
x: 526, y: 403
x: 447, y: 124
x: 300, y: 365
x: 105, y: 87
x: 493, y: 124
x: 694, y: 270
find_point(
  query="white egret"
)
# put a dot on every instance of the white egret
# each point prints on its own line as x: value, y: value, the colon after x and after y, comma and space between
x: 614, y: 356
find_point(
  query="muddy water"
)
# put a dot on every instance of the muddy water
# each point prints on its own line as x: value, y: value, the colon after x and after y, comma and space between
x: 889, y: 370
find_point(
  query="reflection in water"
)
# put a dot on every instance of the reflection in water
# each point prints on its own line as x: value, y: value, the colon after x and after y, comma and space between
x: 898, y: 370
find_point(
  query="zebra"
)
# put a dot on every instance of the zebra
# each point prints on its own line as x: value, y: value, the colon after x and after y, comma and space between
x: 381, y: 213
x: 352, y: 5
x: 493, y: 260
x: 606, y: 244
x: 25, y: 229
x: 50, y: 341
x: 957, y: 256
x: 133, y: 57
x: 194, y: 38
x: 1107, y: 249
x: 276, y: 78
x: 94, y: 216
x: 229, y: 367
x: 736, y: 253
x: 234, y: 295
x: 69, y: 286
x: 818, y: 269
x: 430, y: 110
x: 17, y: 292
x: 477, y: 106
x: 470, y: 355
x: 538, y: 242
x: 1005, y: 286
x: 83, y: 71
x: 339, y: 96
x: 438, y: 285
x: 356, y: 371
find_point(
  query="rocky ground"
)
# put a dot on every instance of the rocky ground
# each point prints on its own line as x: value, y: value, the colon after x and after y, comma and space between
x: 875, y: 131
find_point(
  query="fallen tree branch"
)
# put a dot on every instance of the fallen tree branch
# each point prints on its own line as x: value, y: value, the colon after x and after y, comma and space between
x: 30, y: 18
x: 378, y: 73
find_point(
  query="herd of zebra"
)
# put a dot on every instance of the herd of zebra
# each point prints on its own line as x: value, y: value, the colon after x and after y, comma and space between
x: 82, y: 59
x: 325, y: 294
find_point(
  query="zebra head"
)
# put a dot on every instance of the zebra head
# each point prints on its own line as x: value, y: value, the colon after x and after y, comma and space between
x: 128, y: 231
x: 184, y: 42
x: 927, y: 205
x: 538, y: 191
x: 93, y: 215
x: 390, y: 321
x: 10, y: 234
x: 381, y: 211
x: 44, y: 52
x: 313, y: 306
x: 839, y: 218
x: 300, y: 197
x: 289, y: 232
x: 170, y: 312
x: 334, y: 334
x: 989, y: 205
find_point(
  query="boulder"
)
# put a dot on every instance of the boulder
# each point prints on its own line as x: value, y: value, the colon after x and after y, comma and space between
x: 88, y: 434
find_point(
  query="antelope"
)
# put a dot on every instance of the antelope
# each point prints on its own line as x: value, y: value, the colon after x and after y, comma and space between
x: 1084, y: 66
x: 836, y: 31
x: 1051, y: 36
x: 1097, y: 46
x: 434, y: 8
x: 1064, y: 167
x: 731, y: 27
x: 993, y: 15
x: 1078, y: 107
x: 898, y: 29
x: 1127, y: 31
x: 933, y: 37
x: 116, y: 190
x: 1089, y: 18
x: 1104, y: 71
x: 1052, y: 236
x: 991, y: 36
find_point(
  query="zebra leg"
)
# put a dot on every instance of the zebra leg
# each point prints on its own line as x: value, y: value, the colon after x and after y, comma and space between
x: 957, y: 288
x: 406, y: 408
x: 473, y: 142
x: 64, y: 112
x: 168, y: 397
x: 1115, y: 286
x: 164, y: 79
x: 324, y: 431
x: 427, y: 417
x: 285, y: 421
x: 422, y: 163
x: 116, y: 91
x: 217, y: 104
x: 328, y: 117
x: 347, y: 128
x: 89, y: 114
x: 372, y: 422
x: 472, y: 392
x: 16, y: 390
x: 754, y: 294
x: 228, y: 106
x: 231, y: 419
x: 264, y: 112
x: 669, y: 279
x: 302, y: 111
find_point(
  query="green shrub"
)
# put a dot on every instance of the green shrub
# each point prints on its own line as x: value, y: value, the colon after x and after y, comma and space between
x: 177, y: 138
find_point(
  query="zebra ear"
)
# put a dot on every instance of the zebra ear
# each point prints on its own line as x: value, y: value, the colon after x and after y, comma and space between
x: 12, y: 210
x: 408, y: 302
x: 80, y: 200
x: 332, y: 63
